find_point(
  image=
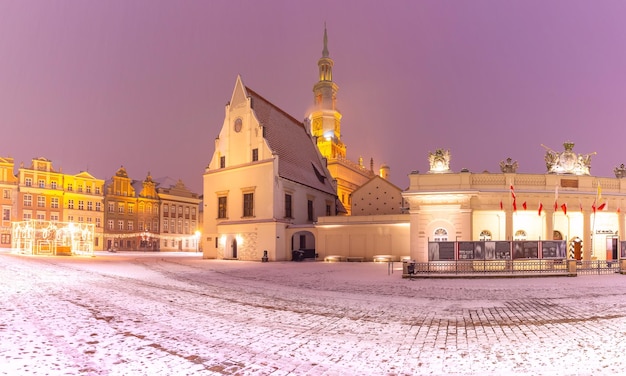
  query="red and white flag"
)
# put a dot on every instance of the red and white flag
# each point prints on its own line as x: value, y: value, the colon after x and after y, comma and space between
x: 512, y: 192
x: 564, y: 208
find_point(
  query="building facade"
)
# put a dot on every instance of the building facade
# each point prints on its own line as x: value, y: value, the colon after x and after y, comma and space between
x: 180, y: 220
x: 83, y: 202
x: 8, y: 199
x: 266, y: 184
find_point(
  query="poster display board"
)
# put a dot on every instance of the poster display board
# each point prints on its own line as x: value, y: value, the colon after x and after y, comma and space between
x: 441, y: 251
x: 525, y: 249
x: 554, y: 249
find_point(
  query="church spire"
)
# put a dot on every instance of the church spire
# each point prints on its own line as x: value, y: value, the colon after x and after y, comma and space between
x: 325, y: 50
x: 325, y: 118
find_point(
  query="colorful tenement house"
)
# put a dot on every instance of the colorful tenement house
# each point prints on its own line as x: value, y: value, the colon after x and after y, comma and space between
x: 266, y: 184
x: 180, y: 221
x: 8, y: 199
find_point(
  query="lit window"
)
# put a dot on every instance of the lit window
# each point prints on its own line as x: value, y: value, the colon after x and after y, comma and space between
x: 109, y: 224
x: 28, y: 182
x: 120, y: 225
x: 42, y: 183
x: 520, y: 235
x: 53, y: 185
x: 441, y: 235
x: 485, y: 235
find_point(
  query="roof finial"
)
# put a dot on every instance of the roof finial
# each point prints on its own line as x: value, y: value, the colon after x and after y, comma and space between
x: 325, y: 50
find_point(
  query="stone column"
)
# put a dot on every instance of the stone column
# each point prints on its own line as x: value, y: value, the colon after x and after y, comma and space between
x: 587, y: 237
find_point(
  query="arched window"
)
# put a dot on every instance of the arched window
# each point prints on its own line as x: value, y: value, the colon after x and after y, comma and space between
x: 556, y: 235
x: 520, y: 235
x: 441, y: 235
x: 485, y: 235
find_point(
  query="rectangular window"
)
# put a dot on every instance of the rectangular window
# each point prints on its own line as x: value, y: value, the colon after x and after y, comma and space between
x: 98, y: 222
x: 28, y: 182
x: 97, y: 190
x: 120, y: 225
x: 98, y: 206
x: 111, y: 207
x: 288, y: 213
x: 131, y: 208
x: 88, y: 189
x: 6, y: 214
x: 28, y: 200
x: 165, y: 226
x: 140, y: 225
x: 328, y: 209
x: 69, y: 187
x: 309, y: 207
x: 53, y: 185
x: 54, y: 217
x: 222, y: 162
x: 6, y: 193
x: 81, y: 219
x: 120, y: 208
x: 42, y: 183
x: 70, y: 218
x: 81, y: 205
x: 70, y: 204
x: 89, y: 205
x: 41, y: 216
x: 80, y: 187
x: 248, y: 204
x: 28, y: 216
x: 110, y: 224
x: 41, y: 201
x: 221, y: 206
x: 54, y: 202
x: 130, y: 226
x: 255, y: 155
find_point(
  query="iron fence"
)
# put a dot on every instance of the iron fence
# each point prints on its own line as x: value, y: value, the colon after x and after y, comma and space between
x: 542, y: 266
x: 597, y: 267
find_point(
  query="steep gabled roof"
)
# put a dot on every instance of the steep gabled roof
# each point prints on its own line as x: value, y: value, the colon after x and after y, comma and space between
x: 298, y: 157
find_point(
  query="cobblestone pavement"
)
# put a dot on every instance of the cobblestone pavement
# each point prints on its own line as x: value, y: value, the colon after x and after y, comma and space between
x: 156, y: 314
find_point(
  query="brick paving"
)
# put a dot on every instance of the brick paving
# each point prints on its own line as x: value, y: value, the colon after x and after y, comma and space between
x: 179, y: 315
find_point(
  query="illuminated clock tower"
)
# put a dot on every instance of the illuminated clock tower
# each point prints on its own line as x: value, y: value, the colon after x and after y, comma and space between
x: 325, y: 118
x: 325, y: 122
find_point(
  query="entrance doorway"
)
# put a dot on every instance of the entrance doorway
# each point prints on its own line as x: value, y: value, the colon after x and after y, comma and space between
x: 234, y: 248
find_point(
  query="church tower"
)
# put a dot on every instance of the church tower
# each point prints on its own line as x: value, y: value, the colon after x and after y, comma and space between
x: 325, y: 118
x: 325, y: 122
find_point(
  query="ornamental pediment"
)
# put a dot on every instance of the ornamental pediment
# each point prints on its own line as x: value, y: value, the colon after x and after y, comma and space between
x: 567, y: 161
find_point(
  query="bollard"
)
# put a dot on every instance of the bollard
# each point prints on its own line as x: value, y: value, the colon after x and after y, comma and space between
x: 571, y: 268
x: 264, y: 258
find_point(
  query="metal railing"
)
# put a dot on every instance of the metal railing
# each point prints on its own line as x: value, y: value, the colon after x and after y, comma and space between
x: 490, y: 267
x: 598, y: 267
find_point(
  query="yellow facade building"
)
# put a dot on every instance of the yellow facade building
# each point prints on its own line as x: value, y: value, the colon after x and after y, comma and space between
x: 83, y: 202
x: 8, y: 199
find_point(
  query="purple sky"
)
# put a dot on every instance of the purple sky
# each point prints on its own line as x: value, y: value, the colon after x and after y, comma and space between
x: 93, y: 85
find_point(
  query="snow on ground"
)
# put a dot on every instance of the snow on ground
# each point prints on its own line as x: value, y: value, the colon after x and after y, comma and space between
x: 177, y: 314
